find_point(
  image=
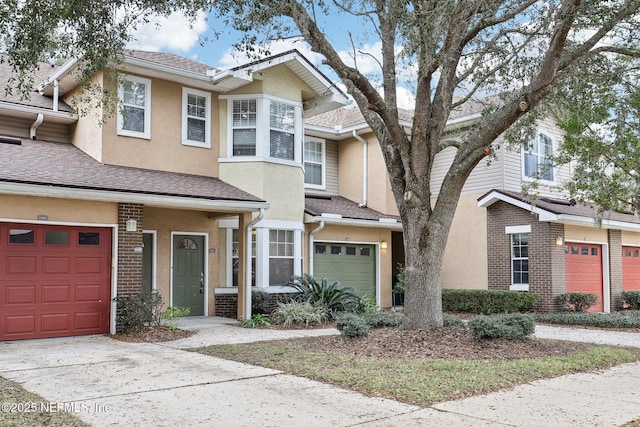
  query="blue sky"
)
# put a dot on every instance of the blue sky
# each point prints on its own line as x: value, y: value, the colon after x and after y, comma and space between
x: 175, y: 35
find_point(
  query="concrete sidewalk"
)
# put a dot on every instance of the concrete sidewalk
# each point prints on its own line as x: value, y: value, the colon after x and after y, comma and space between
x: 111, y: 383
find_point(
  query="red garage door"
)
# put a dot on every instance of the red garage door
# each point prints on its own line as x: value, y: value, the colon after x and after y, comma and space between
x: 583, y: 263
x: 54, y: 281
x: 630, y: 268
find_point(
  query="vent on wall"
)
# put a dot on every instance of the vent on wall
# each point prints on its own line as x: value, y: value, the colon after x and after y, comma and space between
x: 10, y: 140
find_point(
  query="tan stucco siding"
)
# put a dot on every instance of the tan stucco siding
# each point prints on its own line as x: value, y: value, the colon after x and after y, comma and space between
x: 86, y: 133
x: 58, y: 210
x: 165, y: 146
x: 282, y: 186
x: 166, y: 221
x: 630, y: 238
x: 278, y: 81
x: 465, y: 257
x: 584, y: 234
x: 334, y: 233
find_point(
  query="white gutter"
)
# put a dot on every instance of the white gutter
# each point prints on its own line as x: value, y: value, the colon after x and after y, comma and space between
x: 385, y: 223
x: 365, y: 168
x: 247, y: 264
x: 127, y: 197
x: 314, y: 231
x: 56, y: 96
x: 167, y: 69
x: 61, y: 116
x: 34, y: 126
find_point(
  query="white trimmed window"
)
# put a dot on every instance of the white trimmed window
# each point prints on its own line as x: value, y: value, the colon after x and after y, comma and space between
x: 134, y: 115
x: 281, y: 256
x: 314, y: 161
x: 520, y: 261
x: 235, y: 259
x: 196, y: 118
x: 537, y: 163
x: 263, y: 127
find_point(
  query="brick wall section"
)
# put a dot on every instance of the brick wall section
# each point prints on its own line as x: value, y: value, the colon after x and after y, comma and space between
x: 226, y: 304
x: 615, y: 268
x: 546, y: 260
x: 129, y: 262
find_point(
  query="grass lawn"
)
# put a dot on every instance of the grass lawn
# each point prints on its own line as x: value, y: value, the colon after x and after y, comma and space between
x: 419, y: 381
x: 21, y: 408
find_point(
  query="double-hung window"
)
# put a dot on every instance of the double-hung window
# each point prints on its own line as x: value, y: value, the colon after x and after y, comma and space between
x: 134, y: 116
x: 520, y: 261
x: 282, y: 128
x: 196, y: 118
x: 281, y: 256
x: 235, y: 261
x: 314, y: 162
x: 537, y: 162
x: 244, y: 127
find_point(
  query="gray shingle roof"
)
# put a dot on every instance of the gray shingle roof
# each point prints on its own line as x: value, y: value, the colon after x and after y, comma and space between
x: 64, y: 165
x: 337, y: 205
x: 170, y: 60
x: 35, y: 100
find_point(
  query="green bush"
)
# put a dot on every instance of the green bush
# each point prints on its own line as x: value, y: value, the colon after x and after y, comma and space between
x: 334, y: 297
x: 482, y: 301
x: 627, y: 319
x: 259, y: 302
x: 632, y: 298
x: 366, y: 305
x: 510, y: 326
x: 383, y: 319
x: 134, y: 312
x: 577, y: 301
x: 256, y: 320
x: 452, y: 321
x: 351, y: 325
x: 299, y: 312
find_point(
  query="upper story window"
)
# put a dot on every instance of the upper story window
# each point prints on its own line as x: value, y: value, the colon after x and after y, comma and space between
x: 314, y: 162
x: 196, y: 118
x: 134, y: 116
x: 537, y: 163
x: 264, y: 127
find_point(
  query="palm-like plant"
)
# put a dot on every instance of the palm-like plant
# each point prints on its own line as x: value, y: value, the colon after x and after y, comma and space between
x: 331, y: 295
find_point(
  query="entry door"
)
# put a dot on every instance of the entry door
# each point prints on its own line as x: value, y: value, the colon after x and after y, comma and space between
x: 147, y: 263
x: 188, y: 273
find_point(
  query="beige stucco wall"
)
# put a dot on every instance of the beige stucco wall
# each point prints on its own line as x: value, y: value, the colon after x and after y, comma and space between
x: 165, y: 146
x: 465, y: 257
x: 86, y: 133
x: 165, y: 221
x: 277, y: 81
x: 379, y: 194
x: 584, y: 234
x: 630, y: 238
x: 333, y: 233
x: 64, y: 210
x: 282, y: 186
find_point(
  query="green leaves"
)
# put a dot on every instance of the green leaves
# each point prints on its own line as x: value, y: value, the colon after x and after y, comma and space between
x: 331, y: 295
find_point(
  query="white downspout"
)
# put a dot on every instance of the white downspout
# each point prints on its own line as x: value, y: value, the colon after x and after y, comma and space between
x: 365, y: 169
x: 34, y: 126
x: 247, y: 280
x: 314, y: 231
x: 55, y: 95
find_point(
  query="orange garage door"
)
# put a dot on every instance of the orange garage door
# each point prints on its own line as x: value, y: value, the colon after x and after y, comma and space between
x: 583, y: 263
x: 54, y: 281
x: 630, y: 268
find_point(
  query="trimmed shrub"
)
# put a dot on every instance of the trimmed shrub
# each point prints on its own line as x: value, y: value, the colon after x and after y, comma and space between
x: 482, y: 301
x: 334, y: 297
x: 383, y: 319
x: 366, y: 305
x: 351, y: 325
x: 627, y: 319
x: 632, y: 298
x: 510, y: 326
x: 134, y: 312
x: 259, y: 302
x: 577, y: 301
x: 256, y: 320
x: 452, y: 321
x: 299, y: 312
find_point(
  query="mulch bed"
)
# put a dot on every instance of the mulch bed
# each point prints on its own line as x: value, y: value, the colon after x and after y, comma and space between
x: 443, y: 343
x: 153, y: 334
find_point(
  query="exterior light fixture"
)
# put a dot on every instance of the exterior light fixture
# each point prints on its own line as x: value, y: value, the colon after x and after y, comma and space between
x: 383, y: 244
x: 132, y: 225
x: 559, y: 241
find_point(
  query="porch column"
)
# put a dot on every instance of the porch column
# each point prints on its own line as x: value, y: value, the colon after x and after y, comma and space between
x: 243, y: 221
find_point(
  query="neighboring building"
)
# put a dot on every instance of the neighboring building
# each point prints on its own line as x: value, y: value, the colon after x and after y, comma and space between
x: 201, y: 164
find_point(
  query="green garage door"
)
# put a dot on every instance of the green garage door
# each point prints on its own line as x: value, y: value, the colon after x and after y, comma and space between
x: 350, y: 264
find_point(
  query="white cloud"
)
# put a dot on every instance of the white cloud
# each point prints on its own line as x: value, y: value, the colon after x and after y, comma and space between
x: 367, y: 58
x: 173, y: 32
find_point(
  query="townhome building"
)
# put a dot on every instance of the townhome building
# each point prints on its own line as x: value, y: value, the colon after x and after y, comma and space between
x: 208, y: 185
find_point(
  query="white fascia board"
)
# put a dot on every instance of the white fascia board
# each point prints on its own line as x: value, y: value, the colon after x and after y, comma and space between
x: 463, y: 119
x: 591, y: 222
x: 166, y: 69
x: 127, y: 197
x: 60, y: 72
x: 58, y: 116
x: 493, y: 197
x: 346, y: 222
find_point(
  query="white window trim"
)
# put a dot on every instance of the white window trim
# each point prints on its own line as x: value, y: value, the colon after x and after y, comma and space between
x: 323, y: 165
x: 229, y: 255
x: 517, y: 286
x: 554, y: 147
x: 207, y: 136
x: 147, y: 109
x: 263, y: 129
x: 517, y: 229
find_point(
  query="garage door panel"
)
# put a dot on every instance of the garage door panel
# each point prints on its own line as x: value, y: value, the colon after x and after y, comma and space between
x: 630, y: 268
x: 88, y: 321
x: 20, y: 325
x: 583, y: 266
x: 55, y: 294
x: 19, y: 295
x: 57, y: 323
x: 91, y: 293
x: 21, y: 265
x: 88, y: 265
x: 351, y: 265
x: 56, y: 265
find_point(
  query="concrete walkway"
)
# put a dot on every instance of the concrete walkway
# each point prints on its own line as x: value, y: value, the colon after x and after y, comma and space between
x: 109, y: 383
